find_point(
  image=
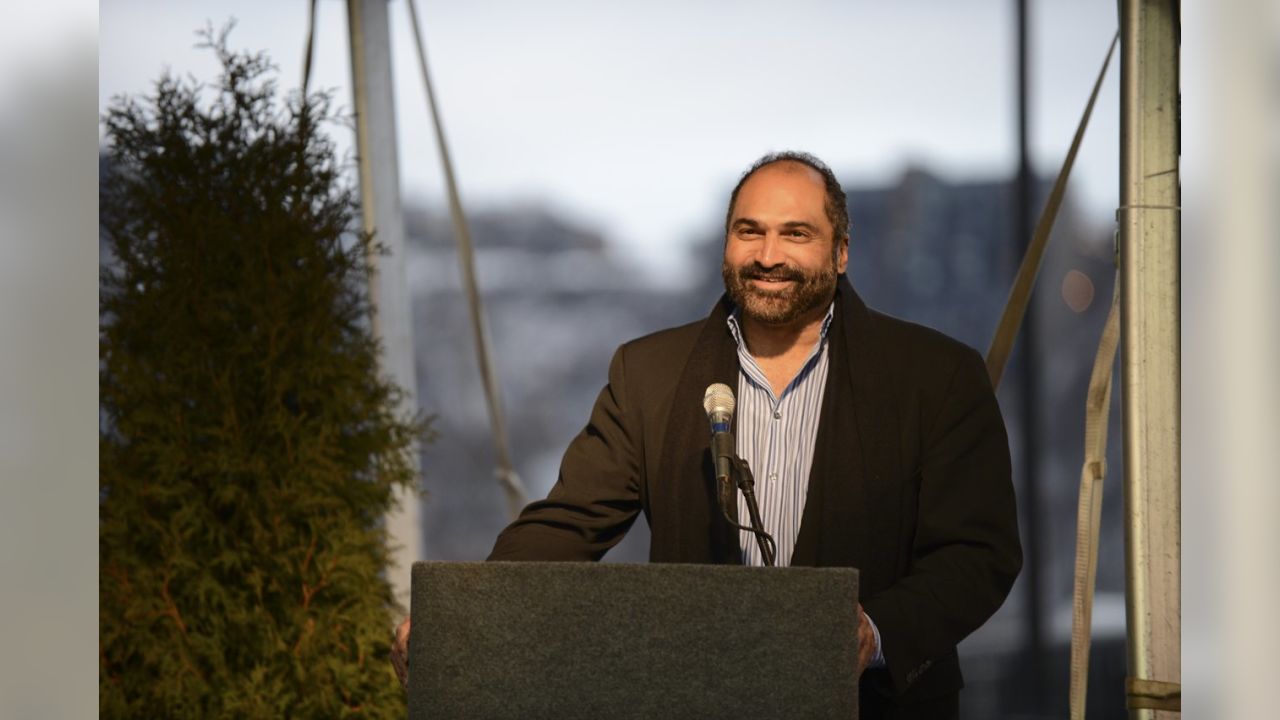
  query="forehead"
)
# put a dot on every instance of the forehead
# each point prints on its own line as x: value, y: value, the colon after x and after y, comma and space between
x: 783, y: 188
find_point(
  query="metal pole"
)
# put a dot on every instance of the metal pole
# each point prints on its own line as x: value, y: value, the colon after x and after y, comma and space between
x: 1150, y: 236
x: 388, y: 287
x: 1033, y: 566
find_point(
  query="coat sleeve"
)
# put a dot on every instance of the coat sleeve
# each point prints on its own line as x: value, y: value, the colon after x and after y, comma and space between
x: 596, y: 498
x: 965, y: 551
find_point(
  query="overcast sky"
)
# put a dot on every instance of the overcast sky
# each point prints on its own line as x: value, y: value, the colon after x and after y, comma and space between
x: 638, y: 118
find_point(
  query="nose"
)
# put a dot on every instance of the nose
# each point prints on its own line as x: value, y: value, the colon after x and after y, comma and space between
x: 770, y: 255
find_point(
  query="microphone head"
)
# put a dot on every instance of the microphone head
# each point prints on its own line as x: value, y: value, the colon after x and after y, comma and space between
x: 719, y: 402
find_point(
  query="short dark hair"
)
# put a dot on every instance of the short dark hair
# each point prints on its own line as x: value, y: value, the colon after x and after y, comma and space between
x: 836, y: 205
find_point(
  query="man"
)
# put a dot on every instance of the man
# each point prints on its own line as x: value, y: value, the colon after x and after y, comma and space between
x: 875, y: 443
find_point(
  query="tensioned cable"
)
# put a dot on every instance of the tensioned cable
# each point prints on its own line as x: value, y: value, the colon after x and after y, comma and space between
x: 1098, y: 404
x: 311, y: 41
x: 505, y: 472
x: 1020, y: 295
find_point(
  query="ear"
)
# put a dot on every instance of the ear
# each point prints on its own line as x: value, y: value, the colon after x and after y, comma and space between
x: 842, y: 258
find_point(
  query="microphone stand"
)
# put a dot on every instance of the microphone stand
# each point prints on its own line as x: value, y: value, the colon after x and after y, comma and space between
x: 747, y: 484
x: 724, y: 453
x: 731, y: 470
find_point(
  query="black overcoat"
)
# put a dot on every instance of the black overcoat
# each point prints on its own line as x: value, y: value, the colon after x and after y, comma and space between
x: 910, y: 484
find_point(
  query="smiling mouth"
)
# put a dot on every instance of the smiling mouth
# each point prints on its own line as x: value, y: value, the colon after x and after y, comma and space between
x: 771, y: 282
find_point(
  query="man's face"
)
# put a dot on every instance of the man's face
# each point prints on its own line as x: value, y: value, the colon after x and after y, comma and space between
x: 780, y: 261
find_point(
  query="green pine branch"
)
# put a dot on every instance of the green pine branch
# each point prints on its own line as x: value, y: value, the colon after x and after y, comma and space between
x: 249, y: 447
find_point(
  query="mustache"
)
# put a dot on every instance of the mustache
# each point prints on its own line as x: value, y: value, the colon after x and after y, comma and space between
x: 757, y: 272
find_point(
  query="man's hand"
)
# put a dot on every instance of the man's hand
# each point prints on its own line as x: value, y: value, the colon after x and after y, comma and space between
x: 400, y: 652
x: 866, y: 640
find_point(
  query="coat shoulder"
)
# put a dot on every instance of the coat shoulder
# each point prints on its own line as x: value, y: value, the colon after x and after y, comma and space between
x: 664, y: 348
x: 918, y: 353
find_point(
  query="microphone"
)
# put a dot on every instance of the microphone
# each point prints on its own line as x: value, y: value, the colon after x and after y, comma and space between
x: 719, y: 404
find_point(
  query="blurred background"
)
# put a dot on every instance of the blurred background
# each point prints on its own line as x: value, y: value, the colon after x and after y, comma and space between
x: 595, y: 147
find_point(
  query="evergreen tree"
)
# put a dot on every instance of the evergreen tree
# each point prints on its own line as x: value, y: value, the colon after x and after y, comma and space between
x: 249, y: 447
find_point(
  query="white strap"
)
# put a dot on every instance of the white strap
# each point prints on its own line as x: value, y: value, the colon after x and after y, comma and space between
x: 1089, y: 512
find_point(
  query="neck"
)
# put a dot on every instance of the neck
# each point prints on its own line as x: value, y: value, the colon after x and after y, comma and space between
x: 766, y: 340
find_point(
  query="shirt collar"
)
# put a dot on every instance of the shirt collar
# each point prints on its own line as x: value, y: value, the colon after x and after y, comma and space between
x: 735, y: 327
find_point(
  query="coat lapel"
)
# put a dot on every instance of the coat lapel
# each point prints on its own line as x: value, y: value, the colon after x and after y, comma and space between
x: 692, y: 529
x: 838, y: 527
x: 844, y: 518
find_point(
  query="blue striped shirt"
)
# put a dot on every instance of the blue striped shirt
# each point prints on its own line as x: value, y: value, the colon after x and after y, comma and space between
x: 776, y: 436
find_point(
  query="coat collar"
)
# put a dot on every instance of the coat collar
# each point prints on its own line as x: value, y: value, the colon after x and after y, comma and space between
x: 849, y: 452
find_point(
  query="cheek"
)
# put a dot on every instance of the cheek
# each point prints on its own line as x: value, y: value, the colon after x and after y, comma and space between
x: 735, y: 253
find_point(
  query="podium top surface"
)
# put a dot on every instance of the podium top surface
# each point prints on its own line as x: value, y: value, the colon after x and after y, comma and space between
x: 568, y: 640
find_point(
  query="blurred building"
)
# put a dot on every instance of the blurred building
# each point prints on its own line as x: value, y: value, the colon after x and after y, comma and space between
x: 557, y: 303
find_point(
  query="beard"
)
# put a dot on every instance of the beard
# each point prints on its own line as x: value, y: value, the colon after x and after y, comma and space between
x: 809, y: 290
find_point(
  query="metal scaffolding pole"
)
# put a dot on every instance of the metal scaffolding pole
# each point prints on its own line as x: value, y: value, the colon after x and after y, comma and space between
x: 389, y: 288
x: 1150, y: 236
x: 1029, y: 402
